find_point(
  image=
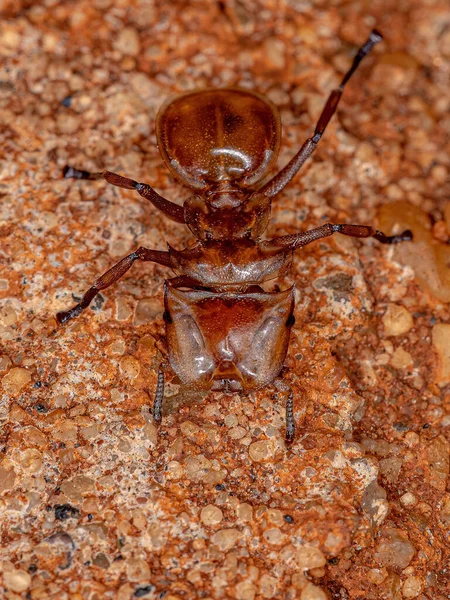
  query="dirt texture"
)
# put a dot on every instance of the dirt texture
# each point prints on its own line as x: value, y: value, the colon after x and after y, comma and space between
x: 96, y: 502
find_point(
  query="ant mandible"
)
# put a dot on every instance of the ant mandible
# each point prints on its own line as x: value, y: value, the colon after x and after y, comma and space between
x: 223, y: 330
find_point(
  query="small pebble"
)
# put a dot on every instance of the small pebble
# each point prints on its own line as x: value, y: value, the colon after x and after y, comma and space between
x: 444, y: 513
x: 244, y: 512
x: 14, y: 381
x: 395, y: 552
x: 274, y: 53
x: 197, y: 467
x: 412, y: 587
x: 377, y: 576
x: 245, y: 590
x: 260, y: 451
x: 67, y: 123
x: 151, y: 433
x: 408, y: 499
x: 147, y: 89
x: 274, y: 536
x: 397, y: 320
x: 225, y: 539
x: 439, y: 461
x: 65, y: 511
x: 123, y: 310
x: 128, y: 42
x: 7, y: 477
x: 211, y: 515
x: 439, y: 173
x: 65, y: 431
x: 231, y: 420
x: 309, y: 557
x: 268, y: 586
x: 31, y: 460
x: 117, y: 347
x: 17, y: 580
x: 77, y: 487
x: 11, y: 39
x: 440, y: 336
x: 130, y: 366
x: 440, y: 232
x: 334, y: 543
x: 275, y: 516
x: 147, y: 310
x: 5, y: 363
x: 101, y: 560
x: 237, y: 433
x: 412, y: 439
x: 401, y: 359
x: 137, y: 569
x: 190, y: 430
x: 8, y: 315
x: 158, y: 534
x: 312, y: 592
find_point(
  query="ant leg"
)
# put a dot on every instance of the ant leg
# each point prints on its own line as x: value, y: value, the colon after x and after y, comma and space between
x: 159, y: 393
x: 111, y: 276
x: 170, y: 209
x: 277, y: 183
x: 298, y: 240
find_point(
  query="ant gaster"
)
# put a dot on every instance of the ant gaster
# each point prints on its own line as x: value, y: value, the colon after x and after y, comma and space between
x: 223, y: 331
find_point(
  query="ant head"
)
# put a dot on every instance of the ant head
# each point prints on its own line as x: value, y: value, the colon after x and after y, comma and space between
x: 217, y: 136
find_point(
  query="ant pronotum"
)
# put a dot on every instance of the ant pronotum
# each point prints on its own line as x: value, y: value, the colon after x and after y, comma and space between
x: 223, y: 331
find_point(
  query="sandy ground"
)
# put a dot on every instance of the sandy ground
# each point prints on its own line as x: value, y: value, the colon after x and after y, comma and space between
x: 96, y: 502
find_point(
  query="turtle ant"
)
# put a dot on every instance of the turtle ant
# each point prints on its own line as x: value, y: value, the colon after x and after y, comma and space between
x: 223, y: 330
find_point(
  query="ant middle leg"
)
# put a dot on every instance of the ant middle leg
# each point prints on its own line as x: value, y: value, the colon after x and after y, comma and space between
x: 111, y: 276
x: 298, y: 240
x: 170, y: 209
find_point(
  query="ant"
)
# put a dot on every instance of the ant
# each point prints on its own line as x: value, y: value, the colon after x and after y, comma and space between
x: 223, y: 330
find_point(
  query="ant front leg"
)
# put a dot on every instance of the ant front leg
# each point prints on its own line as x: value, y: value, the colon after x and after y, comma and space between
x: 170, y: 209
x: 277, y: 183
x: 111, y: 276
x: 298, y: 240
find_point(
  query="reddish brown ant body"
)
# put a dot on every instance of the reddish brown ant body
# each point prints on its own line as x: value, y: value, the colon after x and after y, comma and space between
x: 224, y: 332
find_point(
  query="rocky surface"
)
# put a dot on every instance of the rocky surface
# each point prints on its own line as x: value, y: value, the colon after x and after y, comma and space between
x: 97, y: 502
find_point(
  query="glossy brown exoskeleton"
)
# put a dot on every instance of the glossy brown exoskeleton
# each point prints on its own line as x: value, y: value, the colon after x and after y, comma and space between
x: 223, y: 331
